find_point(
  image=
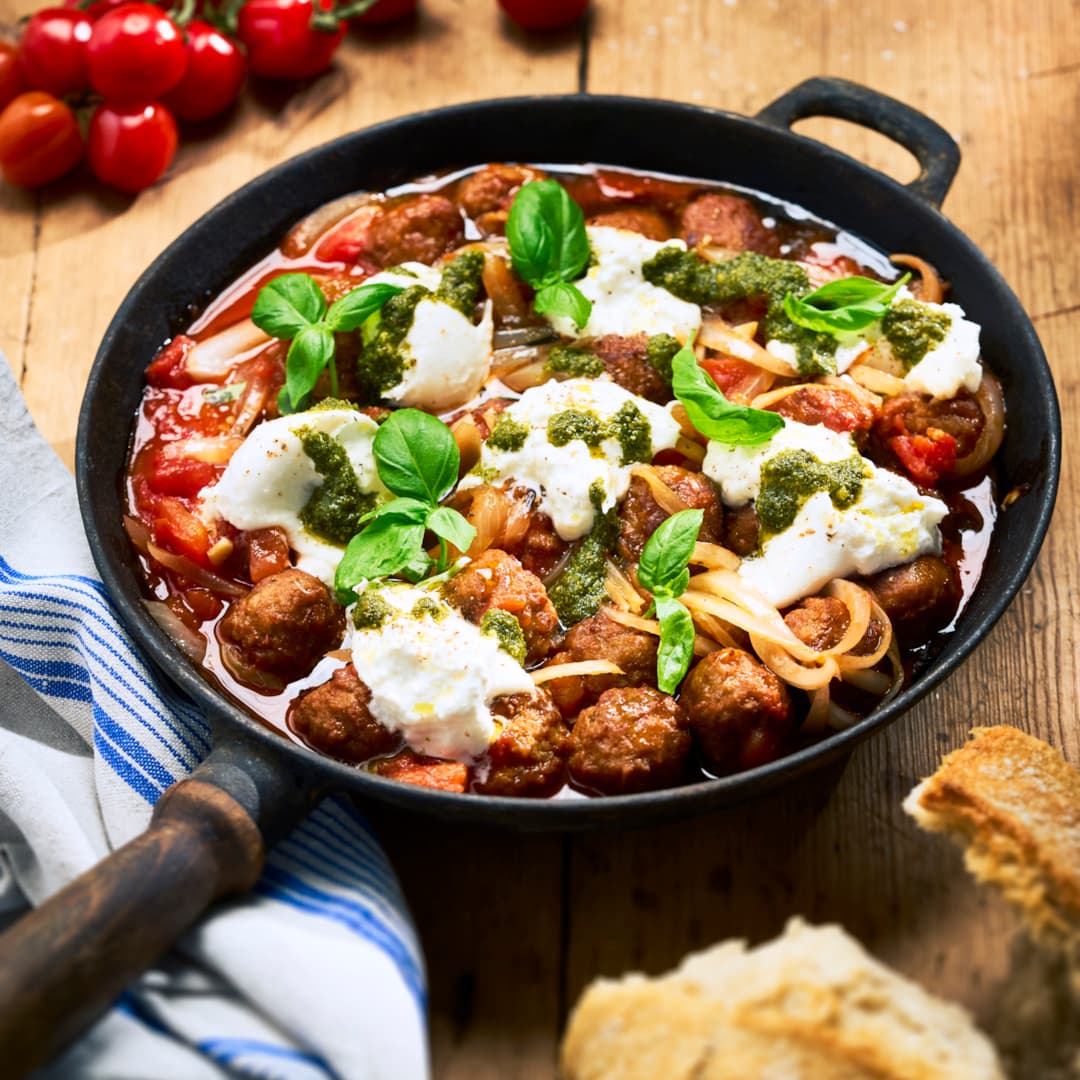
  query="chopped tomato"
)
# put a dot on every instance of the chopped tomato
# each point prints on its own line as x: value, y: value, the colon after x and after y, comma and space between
x: 652, y: 189
x: 268, y: 553
x: 730, y: 374
x: 830, y: 406
x: 167, y: 368
x: 203, y: 603
x: 348, y: 239
x: 926, y: 458
x: 428, y: 772
x: 180, y: 531
x: 182, y: 476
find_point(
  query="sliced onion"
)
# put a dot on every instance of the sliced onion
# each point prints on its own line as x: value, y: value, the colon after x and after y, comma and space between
x: 993, y: 430
x: 715, y: 630
x: 527, y: 376
x: 213, y: 358
x: 621, y: 589
x: 808, y: 676
x: 668, y: 500
x: 859, y: 604
x: 929, y: 287
x: 692, y: 451
x: 714, y: 557
x: 580, y: 667
x: 860, y: 393
x: 818, y: 717
x: 185, y: 567
x: 503, y: 288
x: 880, y: 382
x: 191, y: 643
x: 469, y: 443
x: 716, y: 334
x: 746, y: 330
x: 252, y: 404
x: 702, y: 645
x: 137, y: 533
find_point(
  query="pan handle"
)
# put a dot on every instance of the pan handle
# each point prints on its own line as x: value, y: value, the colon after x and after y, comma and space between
x: 62, y: 964
x: 933, y: 147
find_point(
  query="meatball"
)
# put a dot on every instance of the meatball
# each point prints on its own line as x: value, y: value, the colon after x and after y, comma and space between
x: 741, y: 527
x: 334, y: 718
x: 918, y: 597
x: 493, y: 188
x: 625, y: 359
x: 285, y: 625
x: 601, y: 638
x: 528, y: 757
x: 541, y: 549
x: 417, y: 230
x: 821, y: 621
x: 827, y: 405
x: 498, y: 580
x: 640, y: 517
x: 632, y: 739
x: 727, y: 221
x: 647, y: 222
x: 739, y: 711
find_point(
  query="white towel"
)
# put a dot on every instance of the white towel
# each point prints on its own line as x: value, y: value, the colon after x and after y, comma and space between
x: 315, y: 975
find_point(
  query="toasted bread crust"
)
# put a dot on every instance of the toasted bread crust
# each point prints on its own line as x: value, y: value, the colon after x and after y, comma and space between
x: 1014, y: 802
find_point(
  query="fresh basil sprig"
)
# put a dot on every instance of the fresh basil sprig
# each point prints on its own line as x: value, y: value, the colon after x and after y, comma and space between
x: 417, y: 459
x: 664, y: 571
x: 293, y: 306
x: 549, y: 248
x: 711, y: 413
x: 842, y: 306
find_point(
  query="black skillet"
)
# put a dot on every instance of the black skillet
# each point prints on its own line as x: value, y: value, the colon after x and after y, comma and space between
x: 61, y: 965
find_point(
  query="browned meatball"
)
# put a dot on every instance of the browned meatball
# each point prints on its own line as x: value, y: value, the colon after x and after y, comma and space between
x: 632, y: 739
x: 285, y: 625
x: 334, y: 718
x: 918, y: 597
x: 417, y: 230
x: 739, y: 711
x: 528, y: 758
x: 541, y: 549
x: 493, y: 188
x: 498, y: 580
x: 647, y: 222
x: 640, y: 517
x: 741, y: 529
x: 625, y: 359
x: 601, y: 638
x: 727, y: 221
x: 821, y: 621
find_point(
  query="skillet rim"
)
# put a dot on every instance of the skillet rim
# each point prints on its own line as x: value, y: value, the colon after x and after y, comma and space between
x: 231, y: 724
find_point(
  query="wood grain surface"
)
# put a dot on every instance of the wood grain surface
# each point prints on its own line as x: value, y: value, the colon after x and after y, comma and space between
x: 514, y: 927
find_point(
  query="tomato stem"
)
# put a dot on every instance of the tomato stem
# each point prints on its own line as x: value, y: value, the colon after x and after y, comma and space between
x: 182, y: 12
x: 351, y: 11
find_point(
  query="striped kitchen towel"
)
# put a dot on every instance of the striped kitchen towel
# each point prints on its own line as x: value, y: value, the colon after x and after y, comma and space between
x: 316, y: 974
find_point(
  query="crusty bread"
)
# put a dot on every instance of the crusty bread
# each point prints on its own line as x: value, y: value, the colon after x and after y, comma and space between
x: 811, y: 1005
x: 1014, y: 802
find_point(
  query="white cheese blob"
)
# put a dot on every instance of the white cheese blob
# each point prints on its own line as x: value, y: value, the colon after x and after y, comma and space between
x: 563, y: 475
x: 269, y: 480
x: 891, y: 523
x: 954, y: 363
x: 623, y: 302
x: 432, y: 679
x: 447, y: 358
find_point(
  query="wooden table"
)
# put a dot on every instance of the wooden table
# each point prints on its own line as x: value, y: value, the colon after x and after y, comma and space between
x: 514, y: 927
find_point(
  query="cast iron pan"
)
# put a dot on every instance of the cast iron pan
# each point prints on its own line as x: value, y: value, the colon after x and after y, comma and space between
x: 63, y: 963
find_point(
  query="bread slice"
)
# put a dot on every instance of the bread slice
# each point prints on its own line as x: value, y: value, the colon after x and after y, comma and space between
x: 811, y: 1005
x: 1014, y: 802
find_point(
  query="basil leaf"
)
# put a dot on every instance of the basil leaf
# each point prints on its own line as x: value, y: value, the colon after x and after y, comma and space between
x: 664, y: 558
x: 842, y: 306
x: 416, y: 455
x: 711, y: 413
x: 676, y: 643
x: 406, y: 511
x: 311, y: 350
x: 562, y: 298
x: 288, y: 304
x: 546, y: 233
x: 447, y: 524
x: 357, y: 306
x: 385, y: 547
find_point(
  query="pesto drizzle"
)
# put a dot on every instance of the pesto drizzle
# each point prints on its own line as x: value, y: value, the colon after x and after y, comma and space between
x: 335, y: 508
x: 913, y: 329
x: 371, y: 611
x: 579, y: 590
x: 792, y: 476
x: 659, y: 352
x: 566, y: 360
x: 381, y: 363
x: 507, y: 631
x: 460, y: 283
x: 629, y: 427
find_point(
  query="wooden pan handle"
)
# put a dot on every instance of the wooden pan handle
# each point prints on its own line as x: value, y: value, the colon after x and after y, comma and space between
x: 63, y: 963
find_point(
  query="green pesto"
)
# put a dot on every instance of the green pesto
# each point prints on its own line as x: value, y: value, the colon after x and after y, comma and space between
x: 566, y: 360
x: 579, y: 590
x: 570, y: 424
x: 371, y: 611
x: 332, y: 403
x: 460, y: 283
x: 633, y: 433
x: 684, y: 275
x: 381, y: 363
x: 402, y: 271
x: 428, y: 606
x: 506, y: 630
x: 508, y: 434
x: 487, y: 474
x: 597, y: 495
x: 913, y: 329
x: 792, y: 476
x: 335, y: 508
x: 660, y: 351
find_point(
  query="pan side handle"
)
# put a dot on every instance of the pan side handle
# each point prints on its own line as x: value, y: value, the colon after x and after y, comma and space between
x: 65, y: 962
x: 932, y: 146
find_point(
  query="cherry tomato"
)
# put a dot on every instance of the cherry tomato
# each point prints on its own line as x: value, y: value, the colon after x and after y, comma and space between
x: 11, y: 79
x: 136, y: 53
x: 39, y: 139
x: 131, y: 145
x: 385, y: 11
x: 281, y: 41
x: 52, y: 51
x: 544, y: 14
x: 212, y: 78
